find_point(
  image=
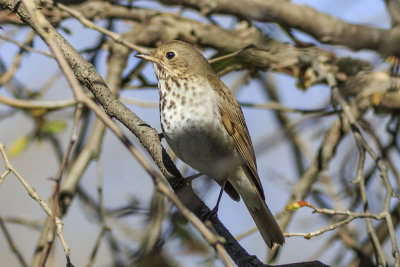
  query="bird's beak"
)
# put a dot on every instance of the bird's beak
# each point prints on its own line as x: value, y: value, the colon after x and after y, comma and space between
x: 147, y: 57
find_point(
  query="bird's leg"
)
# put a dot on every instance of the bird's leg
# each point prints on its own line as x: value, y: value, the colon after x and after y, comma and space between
x: 161, y: 136
x: 214, y: 211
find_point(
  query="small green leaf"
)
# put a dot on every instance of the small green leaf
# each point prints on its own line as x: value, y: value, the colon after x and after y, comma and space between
x: 18, y: 146
x: 56, y: 126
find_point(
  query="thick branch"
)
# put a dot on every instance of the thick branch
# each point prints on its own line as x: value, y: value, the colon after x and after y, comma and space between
x: 323, y: 27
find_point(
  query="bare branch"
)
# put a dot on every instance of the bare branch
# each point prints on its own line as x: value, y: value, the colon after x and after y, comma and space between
x: 33, y: 194
x: 11, y: 243
x: 324, y: 28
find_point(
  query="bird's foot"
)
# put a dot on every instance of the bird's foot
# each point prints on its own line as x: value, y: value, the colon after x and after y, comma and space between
x: 190, y: 178
x: 161, y: 136
x: 211, y: 214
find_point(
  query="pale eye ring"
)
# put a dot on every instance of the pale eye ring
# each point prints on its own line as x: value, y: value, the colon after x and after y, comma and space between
x: 170, y: 55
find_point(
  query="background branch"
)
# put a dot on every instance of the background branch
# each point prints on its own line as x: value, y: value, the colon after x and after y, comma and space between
x: 331, y: 139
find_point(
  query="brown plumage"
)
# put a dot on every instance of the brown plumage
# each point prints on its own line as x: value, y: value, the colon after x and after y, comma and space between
x: 204, y: 125
x: 233, y: 120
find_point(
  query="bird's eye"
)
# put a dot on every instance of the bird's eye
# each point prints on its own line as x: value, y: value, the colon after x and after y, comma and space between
x: 170, y: 55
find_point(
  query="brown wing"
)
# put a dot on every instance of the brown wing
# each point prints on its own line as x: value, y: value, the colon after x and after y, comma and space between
x: 233, y: 120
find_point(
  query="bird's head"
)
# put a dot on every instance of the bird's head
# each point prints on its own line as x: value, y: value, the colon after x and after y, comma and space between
x: 177, y: 59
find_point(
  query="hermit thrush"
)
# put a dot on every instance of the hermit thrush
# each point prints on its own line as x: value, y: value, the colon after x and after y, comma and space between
x: 204, y: 125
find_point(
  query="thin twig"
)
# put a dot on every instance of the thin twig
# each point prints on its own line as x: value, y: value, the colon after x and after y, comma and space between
x: 56, y: 191
x: 233, y: 54
x: 360, y: 179
x: 6, y: 77
x: 33, y: 194
x: 24, y: 47
x: 96, y: 246
x: 349, y: 214
x: 11, y: 243
x: 34, y: 224
x: 322, y: 230
x: 382, y: 166
x: 104, y: 227
x: 273, y: 105
x: 35, y: 104
x: 140, y: 103
x: 116, y: 37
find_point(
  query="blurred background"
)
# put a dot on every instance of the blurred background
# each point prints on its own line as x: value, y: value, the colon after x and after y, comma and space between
x: 289, y: 114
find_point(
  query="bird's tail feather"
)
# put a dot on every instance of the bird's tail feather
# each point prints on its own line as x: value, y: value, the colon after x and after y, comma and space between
x: 266, y: 223
x: 262, y: 216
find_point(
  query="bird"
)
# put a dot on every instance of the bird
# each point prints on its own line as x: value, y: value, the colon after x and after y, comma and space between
x: 204, y: 125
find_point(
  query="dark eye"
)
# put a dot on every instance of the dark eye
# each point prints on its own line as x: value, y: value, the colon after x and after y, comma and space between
x: 170, y: 55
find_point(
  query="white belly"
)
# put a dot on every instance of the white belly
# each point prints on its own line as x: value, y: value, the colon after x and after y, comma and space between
x: 192, y: 128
